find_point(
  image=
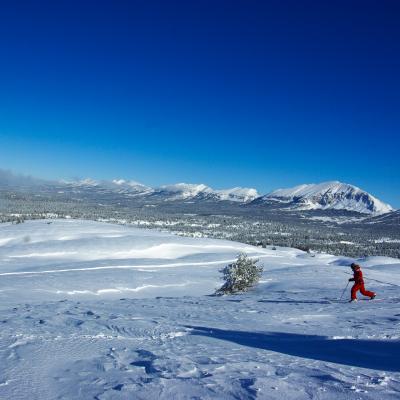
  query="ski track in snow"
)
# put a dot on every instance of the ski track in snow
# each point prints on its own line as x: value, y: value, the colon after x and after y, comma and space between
x: 170, y: 265
x: 72, y: 336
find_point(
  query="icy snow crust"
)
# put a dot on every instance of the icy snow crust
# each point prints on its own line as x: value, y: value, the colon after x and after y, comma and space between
x: 93, y: 310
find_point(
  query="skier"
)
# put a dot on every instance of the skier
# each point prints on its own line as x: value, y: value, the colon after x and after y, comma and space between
x: 359, y: 283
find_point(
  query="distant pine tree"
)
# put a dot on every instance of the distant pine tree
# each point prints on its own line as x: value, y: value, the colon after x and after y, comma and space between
x: 240, y: 276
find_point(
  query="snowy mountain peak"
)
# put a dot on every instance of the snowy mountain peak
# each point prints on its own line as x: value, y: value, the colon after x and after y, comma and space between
x: 188, y: 188
x: 119, y: 181
x: 238, y: 194
x: 191, y: 191
x: 183, y: 191
x: 133, y: 184
x: 329, y: 195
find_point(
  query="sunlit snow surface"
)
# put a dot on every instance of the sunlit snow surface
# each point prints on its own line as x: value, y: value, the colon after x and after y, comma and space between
x: 92, y: 310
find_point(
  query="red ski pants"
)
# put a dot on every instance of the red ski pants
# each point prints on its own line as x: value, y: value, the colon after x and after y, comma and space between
x: 360, y: 287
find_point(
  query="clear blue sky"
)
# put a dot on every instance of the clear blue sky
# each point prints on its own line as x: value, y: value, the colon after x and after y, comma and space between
x: 264, y: 94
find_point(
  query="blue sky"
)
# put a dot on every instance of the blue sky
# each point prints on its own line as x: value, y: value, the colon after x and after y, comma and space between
x: 228, y: 93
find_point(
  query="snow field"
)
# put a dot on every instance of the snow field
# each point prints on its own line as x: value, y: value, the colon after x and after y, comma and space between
x: 97, y: 311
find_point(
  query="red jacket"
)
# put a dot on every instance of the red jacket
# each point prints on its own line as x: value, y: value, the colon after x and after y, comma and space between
x: 358, y: 277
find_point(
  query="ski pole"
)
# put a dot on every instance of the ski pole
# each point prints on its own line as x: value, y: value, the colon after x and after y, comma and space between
x: 344, y: 290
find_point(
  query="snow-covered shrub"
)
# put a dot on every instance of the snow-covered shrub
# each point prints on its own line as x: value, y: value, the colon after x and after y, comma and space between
x: 240, y: 276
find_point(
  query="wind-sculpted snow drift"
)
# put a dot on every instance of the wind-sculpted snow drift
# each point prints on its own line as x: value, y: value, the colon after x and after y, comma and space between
x: 93, y: 310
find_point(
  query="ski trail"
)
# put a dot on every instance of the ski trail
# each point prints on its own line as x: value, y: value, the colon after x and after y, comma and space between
x: 144, y: 266
x: 121, y: 289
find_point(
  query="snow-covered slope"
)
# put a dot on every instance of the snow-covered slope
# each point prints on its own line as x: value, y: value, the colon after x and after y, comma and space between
x: 92, y: 310
x: 329, y: 195
x: 119, y: 255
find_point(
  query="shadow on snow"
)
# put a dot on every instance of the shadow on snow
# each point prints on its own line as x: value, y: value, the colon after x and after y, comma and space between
x: 373, y: 354
x: 298, y: 301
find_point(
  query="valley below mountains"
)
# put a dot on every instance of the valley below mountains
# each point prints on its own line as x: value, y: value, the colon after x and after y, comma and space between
x: 330, y: 217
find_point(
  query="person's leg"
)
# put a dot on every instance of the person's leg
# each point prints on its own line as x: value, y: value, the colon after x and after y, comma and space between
x: 366, y: 292
x: 354, y: 291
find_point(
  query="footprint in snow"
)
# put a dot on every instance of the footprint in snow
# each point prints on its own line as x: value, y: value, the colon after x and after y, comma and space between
x: 146, y: 361
x: 74, y: 322
x: 118, y: 387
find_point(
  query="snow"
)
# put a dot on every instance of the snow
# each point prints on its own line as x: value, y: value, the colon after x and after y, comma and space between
x: 331, y: 195
x: 95, y: 310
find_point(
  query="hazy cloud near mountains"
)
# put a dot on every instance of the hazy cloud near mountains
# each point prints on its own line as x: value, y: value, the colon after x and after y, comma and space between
x: 9, y: 178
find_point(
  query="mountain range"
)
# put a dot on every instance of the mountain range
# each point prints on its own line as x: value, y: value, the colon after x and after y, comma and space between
x: 324, y: 196
x: 332, y: 195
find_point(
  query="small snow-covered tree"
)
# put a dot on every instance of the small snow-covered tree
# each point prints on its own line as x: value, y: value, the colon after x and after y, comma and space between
x: 240, y: 276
